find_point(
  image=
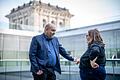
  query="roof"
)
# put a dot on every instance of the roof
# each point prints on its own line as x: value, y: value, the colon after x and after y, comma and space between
x: 82, y: 30
x: 36, y: 3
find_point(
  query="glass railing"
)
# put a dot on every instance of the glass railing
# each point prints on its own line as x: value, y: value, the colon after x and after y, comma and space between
x: 11, y: 65
x: 70, y: 70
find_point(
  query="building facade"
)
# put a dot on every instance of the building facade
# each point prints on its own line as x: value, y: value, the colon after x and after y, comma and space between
x: 35, y: 14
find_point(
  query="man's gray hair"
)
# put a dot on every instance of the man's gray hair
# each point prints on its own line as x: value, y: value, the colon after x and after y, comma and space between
x: 49, y: 25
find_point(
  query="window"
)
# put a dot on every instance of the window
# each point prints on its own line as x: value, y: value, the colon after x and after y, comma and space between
x: 26, y: 22
x: 53, y: 22
x: 21, y: 22
x: 44, y: 22
x: 60, y: 24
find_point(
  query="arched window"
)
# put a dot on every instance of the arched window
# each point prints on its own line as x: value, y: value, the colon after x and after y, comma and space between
x: 26, y: 22
x: 44, y: 22
x: 60, y: 24
x: 53, y: 22
x: 21, y: 22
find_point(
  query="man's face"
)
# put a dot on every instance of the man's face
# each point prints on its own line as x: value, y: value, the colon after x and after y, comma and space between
x: 50, y: 32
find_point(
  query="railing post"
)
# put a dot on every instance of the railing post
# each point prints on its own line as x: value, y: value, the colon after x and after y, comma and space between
x: 69, y: 70
x: 20, y: 70
x: 5, y: 69
x: 113, y: 64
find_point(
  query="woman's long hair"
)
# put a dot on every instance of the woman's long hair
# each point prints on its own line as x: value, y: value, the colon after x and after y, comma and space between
x: 95, y: 36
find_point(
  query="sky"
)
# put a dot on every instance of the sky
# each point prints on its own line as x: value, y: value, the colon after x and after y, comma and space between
x: 86, y: 12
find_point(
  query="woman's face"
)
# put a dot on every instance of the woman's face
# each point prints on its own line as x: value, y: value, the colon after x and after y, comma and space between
x: 88, y: 38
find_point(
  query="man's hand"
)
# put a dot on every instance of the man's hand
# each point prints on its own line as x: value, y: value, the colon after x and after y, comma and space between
x: 77, y: 60
x: 39, y: 72
x: 93, y: 63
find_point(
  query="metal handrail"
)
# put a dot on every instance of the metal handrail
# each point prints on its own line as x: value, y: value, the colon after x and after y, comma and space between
x: 60, y: 60
x: 112, y: 59
x: 14, y: 60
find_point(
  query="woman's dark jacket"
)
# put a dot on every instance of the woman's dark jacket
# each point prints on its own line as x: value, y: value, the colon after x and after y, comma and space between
x: 93, y: 51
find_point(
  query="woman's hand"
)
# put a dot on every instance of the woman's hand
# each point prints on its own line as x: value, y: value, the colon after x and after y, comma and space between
x: 39, y: 72
x: 93, y: 63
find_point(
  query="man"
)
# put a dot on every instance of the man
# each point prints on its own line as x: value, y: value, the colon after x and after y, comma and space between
x: 44, y: 54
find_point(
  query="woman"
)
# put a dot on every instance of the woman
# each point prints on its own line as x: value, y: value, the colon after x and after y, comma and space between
x: 92, y: 62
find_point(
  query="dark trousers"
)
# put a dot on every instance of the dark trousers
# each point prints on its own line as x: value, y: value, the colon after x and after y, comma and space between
x: 48, y: 74
x: 93, y: 74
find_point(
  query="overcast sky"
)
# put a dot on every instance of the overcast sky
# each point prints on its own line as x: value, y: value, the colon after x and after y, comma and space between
x: 86, y: 12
